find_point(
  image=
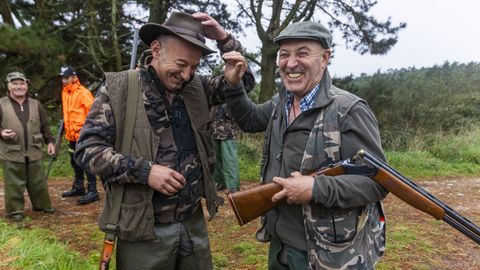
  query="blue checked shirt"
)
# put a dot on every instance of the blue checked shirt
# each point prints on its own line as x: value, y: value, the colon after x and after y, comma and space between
x: 306, y: 102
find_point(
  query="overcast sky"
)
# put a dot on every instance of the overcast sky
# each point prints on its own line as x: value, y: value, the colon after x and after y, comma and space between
x: 437, y: 31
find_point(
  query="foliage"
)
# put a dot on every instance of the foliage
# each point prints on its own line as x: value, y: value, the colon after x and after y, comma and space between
x: 249, y: 153
x: 38, y: 37
x: 361, y: 31
x: 412, y: 104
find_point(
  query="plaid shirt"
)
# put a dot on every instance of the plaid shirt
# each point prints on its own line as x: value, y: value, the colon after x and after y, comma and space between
x: 306, y: 102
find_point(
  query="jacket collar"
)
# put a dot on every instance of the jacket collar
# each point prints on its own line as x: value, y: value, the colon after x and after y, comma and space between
x: 325, y: 95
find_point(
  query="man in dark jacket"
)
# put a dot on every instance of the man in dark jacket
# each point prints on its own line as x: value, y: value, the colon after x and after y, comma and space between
x: 23, y: 131
x: 165, y: 168
x: 327, y: 222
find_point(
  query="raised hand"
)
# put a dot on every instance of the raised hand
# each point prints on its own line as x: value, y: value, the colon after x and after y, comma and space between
x: 235, y: 68
x: 212, y: 29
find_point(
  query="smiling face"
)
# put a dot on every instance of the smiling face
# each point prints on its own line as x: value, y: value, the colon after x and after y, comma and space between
x: 17, y: 88
x: 301, y: 64
x: 175, y: 61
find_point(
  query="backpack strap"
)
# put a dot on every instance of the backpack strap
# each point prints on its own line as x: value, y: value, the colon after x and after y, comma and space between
x: 116, y: 190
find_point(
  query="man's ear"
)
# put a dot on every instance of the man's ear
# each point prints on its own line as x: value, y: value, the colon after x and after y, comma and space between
x: 326, y: 57
x: 155, y: 48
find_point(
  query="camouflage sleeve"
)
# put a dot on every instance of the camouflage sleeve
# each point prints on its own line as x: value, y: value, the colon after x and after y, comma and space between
x: 359, y: 130
x: 214, y: 84
x: 95, y: 152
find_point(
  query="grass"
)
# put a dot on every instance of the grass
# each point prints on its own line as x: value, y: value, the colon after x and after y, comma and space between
x: 36, y: 249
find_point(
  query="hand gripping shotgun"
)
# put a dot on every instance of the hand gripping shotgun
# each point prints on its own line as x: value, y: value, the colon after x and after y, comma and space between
x: 250, y: 204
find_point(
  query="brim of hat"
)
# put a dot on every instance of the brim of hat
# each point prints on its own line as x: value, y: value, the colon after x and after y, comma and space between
x: 17, y: 78
x: 150, y: 31
x: 278, y: 41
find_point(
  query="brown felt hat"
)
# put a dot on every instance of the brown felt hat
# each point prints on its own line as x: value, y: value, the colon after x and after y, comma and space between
x: 179, y: 24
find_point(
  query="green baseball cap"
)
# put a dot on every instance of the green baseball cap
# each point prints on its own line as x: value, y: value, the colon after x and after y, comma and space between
x: 306, y: 30
x: 16, y: 76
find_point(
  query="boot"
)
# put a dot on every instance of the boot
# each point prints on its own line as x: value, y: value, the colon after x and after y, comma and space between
x: 91, y: 196
x: 75, y: 191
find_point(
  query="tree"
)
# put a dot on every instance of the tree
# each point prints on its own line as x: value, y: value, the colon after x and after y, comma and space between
x: 94, y: 36
x: 361, y: 31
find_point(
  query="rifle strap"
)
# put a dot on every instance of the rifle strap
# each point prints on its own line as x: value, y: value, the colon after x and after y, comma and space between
x: 117, y: 190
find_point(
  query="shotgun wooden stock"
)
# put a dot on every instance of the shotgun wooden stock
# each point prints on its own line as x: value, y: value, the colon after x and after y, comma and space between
x: 252, y: 203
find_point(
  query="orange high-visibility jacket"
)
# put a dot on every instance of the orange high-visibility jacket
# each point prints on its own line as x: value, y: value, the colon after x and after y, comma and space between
x: 76, y: 102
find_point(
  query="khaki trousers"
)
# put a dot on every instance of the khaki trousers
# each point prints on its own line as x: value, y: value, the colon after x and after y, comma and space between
x: 18, y: 176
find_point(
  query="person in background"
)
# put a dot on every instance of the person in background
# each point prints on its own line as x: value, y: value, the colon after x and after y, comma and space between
x: 226, y: 172
x: 327, y: 222
x: 164, y: 169
x: 76, y: 102
x: 23, y: 131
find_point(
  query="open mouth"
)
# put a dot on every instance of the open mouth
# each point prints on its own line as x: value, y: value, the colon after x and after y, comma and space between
x: 294, y: 75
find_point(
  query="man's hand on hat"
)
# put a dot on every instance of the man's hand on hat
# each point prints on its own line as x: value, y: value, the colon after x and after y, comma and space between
x: 235, y: 68
x: 212, y: 29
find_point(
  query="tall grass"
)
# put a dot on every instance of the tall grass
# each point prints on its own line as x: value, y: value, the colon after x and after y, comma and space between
x: 429, y: 155
x: 249, y: 156
x: 452, y: 154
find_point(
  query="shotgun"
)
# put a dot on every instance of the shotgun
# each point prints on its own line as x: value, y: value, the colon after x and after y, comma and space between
x: 402, y: 187
x: 58, y: 144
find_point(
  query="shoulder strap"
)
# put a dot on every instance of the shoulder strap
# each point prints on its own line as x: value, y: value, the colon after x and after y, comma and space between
x: 116, y: 191
x: 132, y: 103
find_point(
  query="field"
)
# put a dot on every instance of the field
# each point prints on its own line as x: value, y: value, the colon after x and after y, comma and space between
x: 69, y: 239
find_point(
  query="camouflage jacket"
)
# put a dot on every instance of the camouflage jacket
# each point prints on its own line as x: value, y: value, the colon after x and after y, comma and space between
x: 223, y: 124
x: 343, y: 224
x: 95, y: 148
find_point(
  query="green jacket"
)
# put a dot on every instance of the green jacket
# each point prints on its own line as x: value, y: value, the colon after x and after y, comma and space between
x: 341, y: 225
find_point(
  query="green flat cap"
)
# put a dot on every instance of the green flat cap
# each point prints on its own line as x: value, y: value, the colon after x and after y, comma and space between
x: 306, y: 30
x: 15, y: 76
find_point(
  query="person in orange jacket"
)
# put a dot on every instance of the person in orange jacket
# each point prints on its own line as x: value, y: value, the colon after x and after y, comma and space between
x: 76, y: 102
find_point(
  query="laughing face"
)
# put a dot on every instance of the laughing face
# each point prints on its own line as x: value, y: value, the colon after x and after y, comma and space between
x: 175, y: 61
x: 301, y: 64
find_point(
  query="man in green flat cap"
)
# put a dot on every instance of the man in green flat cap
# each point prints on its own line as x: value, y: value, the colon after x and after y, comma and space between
x: 23, y: 131
x: 327, y: 222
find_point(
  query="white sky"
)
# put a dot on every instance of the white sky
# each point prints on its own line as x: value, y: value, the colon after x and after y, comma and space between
x: 437, y: 31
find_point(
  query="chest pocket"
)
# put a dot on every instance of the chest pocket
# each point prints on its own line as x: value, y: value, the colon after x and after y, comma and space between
x: 182, y: 129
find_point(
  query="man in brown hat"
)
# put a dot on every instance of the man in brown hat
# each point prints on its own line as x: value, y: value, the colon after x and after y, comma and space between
x: 23, y: 131
x: 327, y: 222
x: 164, y: 168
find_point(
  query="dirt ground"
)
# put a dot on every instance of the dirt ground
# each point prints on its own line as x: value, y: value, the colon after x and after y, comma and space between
x: 446, y: 247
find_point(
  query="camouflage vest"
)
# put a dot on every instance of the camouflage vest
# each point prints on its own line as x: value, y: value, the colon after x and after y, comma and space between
x: 137, y: 220
x: 336, y: 238
x: 15, y: 150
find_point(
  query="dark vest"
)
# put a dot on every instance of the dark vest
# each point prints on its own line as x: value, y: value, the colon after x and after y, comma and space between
x: 16, y: 149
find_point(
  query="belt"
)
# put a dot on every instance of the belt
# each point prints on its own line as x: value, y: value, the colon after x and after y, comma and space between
x: 173, y: 216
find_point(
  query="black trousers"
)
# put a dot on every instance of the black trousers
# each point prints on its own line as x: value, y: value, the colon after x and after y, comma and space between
x: 79, y: 172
